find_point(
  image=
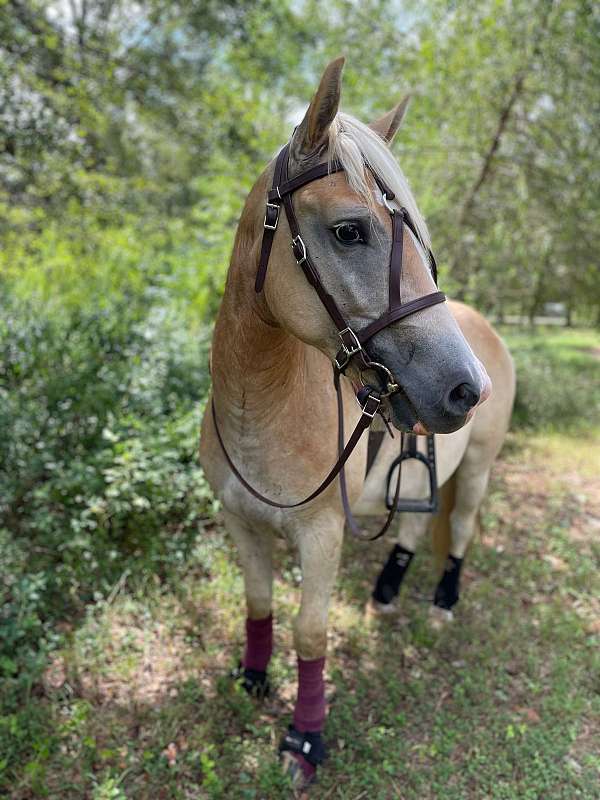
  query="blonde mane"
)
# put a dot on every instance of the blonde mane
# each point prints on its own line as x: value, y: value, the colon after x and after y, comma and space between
x: 354, y: 145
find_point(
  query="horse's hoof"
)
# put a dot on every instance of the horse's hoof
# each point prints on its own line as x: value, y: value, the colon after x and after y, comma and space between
x: 298, y: 770
x: 300, y: 754
x: 254, y: 682
x: 439, y: 617
x: 377, y: 609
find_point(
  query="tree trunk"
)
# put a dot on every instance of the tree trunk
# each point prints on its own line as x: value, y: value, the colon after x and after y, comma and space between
x: 569, y: 318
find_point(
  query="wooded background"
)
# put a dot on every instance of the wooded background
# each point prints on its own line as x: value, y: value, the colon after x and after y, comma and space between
x: 130, y: 135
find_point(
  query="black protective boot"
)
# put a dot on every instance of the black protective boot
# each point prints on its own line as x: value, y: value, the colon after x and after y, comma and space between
x: 447, y: 592
x: 391, y: 576
x: 255, y: 682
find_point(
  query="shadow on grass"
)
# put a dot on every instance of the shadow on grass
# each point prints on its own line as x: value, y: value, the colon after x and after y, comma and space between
x: 503, y: 704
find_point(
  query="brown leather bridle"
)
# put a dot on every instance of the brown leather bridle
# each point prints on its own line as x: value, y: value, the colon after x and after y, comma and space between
x: 352, y: 341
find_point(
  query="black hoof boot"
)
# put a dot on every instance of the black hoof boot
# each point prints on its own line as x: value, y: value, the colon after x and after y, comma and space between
x: 447, y: 592
x: 253, y: 681
x: 388, y: 583
x: 301, y: 754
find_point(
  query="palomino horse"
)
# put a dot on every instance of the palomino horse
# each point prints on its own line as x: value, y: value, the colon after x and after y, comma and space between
x: 273, y: 431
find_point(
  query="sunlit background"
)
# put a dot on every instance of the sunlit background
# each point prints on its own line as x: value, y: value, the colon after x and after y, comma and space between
x: 130, y: 135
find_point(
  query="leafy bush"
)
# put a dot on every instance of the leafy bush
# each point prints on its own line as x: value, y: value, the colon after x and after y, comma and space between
x: 557, y: 378
x: 99, y: 417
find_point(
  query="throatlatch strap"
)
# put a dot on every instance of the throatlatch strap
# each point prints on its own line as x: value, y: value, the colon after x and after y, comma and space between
x: 271, y: 221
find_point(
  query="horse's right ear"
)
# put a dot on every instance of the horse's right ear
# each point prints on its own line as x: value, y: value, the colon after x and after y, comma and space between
x: 313, y: 131
x: 387, y: 126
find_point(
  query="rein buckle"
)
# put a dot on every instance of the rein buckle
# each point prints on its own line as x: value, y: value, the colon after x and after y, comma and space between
x: 373, y: 408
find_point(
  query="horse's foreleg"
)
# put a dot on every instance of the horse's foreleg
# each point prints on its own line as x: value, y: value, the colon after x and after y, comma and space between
x: 471, y: 484
x: 319, y: 549
x: 391, y: 576
x: 255, y: 551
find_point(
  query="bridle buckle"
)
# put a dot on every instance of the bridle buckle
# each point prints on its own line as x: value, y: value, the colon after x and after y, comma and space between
x: 386, y: 203
x: 299, y: 249
x: 271, y: 224
x: 350, y: 346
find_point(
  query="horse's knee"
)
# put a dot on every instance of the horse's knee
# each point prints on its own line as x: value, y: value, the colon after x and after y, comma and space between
x: 258, y: 605
x: 310, y: 636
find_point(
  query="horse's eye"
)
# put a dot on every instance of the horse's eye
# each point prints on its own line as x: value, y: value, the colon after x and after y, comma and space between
x: 348, y: 233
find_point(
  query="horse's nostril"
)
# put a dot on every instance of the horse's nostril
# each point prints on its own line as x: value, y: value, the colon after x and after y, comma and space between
x: 462, y: 398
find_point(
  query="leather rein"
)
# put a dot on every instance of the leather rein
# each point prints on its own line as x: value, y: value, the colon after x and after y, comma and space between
x: 352, y: 341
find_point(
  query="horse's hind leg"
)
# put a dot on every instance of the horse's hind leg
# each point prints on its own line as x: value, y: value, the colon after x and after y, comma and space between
x: 255, y: 551
x: 389, y: 581
x: 471, y: 484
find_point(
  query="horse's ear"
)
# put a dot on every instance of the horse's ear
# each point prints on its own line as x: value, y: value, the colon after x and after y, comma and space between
x: 387, y: 126
x: 313, y: 131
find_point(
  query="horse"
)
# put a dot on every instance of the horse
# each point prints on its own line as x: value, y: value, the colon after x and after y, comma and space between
x: 415, y: 362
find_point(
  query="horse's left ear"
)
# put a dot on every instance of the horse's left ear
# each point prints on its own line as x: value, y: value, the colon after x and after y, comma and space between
x: 387, y: 126
x: 313, y: 131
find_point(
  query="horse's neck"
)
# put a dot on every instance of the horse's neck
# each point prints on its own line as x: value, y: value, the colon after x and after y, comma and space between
x: 264, y: 379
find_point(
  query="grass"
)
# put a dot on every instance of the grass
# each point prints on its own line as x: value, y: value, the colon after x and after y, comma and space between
x: 503, y: 704
x: 558, y: 375
x: 136, y: 703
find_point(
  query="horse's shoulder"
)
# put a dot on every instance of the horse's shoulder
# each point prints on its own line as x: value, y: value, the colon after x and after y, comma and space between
x: 473, y: 324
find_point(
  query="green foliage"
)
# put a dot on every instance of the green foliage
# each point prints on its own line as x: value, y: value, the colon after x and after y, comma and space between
x: 98, y: 436
x: 128, y: 142
x: 558, y: 373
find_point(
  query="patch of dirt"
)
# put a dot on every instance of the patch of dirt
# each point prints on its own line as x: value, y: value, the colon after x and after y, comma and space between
x: 534, y: 487
x: 158, y: 662
x: 534, y: 496
x: 594, y: 352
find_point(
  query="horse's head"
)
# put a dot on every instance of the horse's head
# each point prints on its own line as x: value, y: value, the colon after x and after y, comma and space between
x: 347, y: 230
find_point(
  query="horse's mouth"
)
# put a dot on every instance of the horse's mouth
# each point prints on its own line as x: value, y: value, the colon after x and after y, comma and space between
x: 403, y: 415
x: 399, y: 410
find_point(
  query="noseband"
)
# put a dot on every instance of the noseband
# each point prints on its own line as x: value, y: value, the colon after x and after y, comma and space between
x: 352, y: 341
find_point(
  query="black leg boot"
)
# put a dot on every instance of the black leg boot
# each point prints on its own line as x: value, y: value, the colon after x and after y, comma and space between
x: 391, y: 576
x: 447, y: 592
